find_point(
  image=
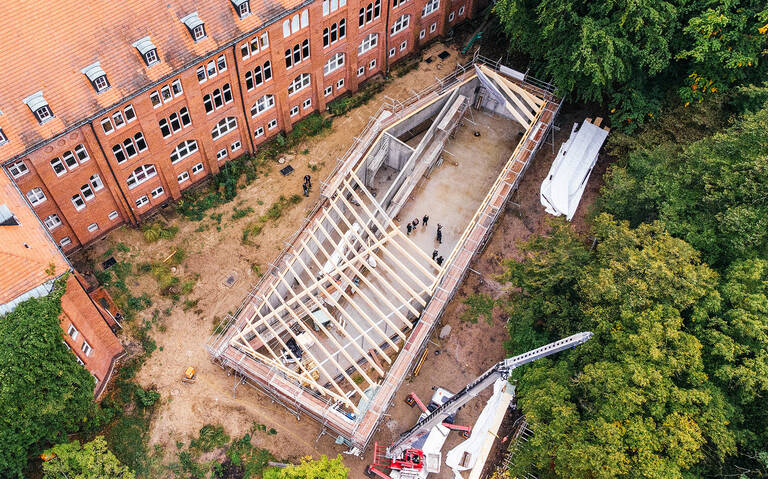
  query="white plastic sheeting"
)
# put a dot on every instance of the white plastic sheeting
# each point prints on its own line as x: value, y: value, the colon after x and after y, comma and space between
x: 563, y: 187
x: 465, y: 456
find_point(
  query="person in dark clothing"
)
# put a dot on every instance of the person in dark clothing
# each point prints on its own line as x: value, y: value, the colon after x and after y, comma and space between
x: 434, y: 255
x: 439, y: 233
x: 409, y: 228
x: 306, y: 190
x: 308, y: 181
x: 415, y: 223
x: 439, y: 260
x: 424, y: 220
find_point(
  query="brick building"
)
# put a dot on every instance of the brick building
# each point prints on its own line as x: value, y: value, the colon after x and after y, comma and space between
x: 31, y: 263
x: 115, y: 108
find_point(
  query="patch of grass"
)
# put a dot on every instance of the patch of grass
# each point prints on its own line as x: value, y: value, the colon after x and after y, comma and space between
x: 177, y: 257
x: 480, y: 306
x: 189, y: 304
x: 256, y: 268
x: 122, y: 247
x: 238, y: 213
x: 341, y: 106
x: 158, y: 230
x: 273, y: 213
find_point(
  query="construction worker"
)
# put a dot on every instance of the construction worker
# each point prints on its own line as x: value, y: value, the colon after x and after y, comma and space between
x: 409, y: 228
x: 439, y: 233
x: 424, y: 220
x: 439, y: 260
x: 434, y: 255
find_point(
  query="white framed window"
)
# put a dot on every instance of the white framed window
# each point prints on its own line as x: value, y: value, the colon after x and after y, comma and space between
x: 392, y: 52
x: 176, y: 88
x: 296, y: 23
x: 140, y: 175
x: 158, y: 192
x: 236, y: 145
x: 306, y: 103
x: 433, y: 27
x: 361, y: 71
x: 175, y: 122
x: 183, y: 176
x: 422, y: 34
x: 328, y: 90
x: 43, y: 114
x: 151, y: 57
x: 154, y: 97
x: 73, y: 332
x: 129, y: 148
x: 113, y: 215
x: 335, y: 32
x: 294, y: 110
x: 3, y: 138
x: 197, y: 169
x: 78, y: 201
x: 297, y: 54
x: 217, y: 98
x: 118, y: 120
x: 58, y: 166
x: 334, y: 63
x: 96, y: 182
x: 299, y: 83
x: 244, y: 8
x: 272, y: 124
x: 372, y: 64
x: 221, y: 154
x: 130, y: 113
x: 330, y: 6
x: 36, y: 196
x: 106, y: 125
x: 65, y: 241
x: 258, y: 132
x: 369, y: 13
x: 340, y: 84
x: 262, y: 104
x: 397, y: 3
x: 93, y: 227
x: 183, y: 150
x: 430, y: 7
x: 86, y: 348
x: 403, y: 46
x: 142, y: 201
x: 368, y: 43
x: 400, y: 24
x: 18, y: 169
x: 198, y: 33
x: 224, y: 126
x: 52, y: 222
x: 461, y: 10
x: 451, y: 16
x: 87, y: 192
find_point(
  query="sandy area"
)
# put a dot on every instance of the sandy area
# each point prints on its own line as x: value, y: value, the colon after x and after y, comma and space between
x: 215, y: 255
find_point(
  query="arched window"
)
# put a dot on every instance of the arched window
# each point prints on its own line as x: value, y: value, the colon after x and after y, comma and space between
x: 370, y: 12
x: 334, y: 63
x: 298, y: 54
x: 223, y: 127
x: 400, y: 24
x: 286, y: 28
x: 183, y: 150
x: 299, y: 83
x: 140, y: 175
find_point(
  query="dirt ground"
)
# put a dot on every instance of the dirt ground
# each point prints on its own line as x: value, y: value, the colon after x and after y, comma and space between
x: 215, y: 255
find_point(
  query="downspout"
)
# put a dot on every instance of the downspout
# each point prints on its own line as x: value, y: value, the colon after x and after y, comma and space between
x: 114, y: 176
x: 386, y: 45
x: 242, y: 99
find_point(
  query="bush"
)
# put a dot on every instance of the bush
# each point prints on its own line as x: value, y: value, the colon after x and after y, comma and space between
x: 158, y: 230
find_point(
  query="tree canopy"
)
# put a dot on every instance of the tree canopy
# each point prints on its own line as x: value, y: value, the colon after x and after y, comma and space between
x: 323, y: 468
x: 711, y: 194
x: 635, y: 400
x: 44, y: 392
x: 92, y: 460
x: 632, y: 54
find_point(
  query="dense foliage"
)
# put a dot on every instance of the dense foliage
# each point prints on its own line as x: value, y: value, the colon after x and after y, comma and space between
x: 322, y: 468
x: 633, y: 54
x: 92, y: 460
x: 635, y: 400
x: 712, y: 193
x: 44, y: 393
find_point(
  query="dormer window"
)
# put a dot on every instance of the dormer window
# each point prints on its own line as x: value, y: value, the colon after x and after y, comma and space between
x: 195, y: 25
x: 39, y: 107
x: 147, y: 50
x: 97, y: 77
x: 242, y: 7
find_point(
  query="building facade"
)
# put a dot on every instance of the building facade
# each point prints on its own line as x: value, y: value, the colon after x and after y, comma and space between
x: 31, y: 265
x: 121, y: 110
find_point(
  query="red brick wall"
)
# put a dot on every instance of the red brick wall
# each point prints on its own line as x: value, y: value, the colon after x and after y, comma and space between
x: 116, y: 196
x: 80, y: 312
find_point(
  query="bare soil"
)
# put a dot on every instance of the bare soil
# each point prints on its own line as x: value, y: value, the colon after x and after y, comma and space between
x: 216, y: 253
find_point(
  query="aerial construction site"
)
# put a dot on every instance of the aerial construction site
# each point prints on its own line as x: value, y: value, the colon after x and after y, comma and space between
x: 345, y: 312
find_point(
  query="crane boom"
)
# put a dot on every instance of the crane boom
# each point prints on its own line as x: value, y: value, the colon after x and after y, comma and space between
x: 501, y: 370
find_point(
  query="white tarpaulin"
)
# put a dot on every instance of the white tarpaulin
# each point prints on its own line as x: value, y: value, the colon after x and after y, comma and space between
x: 563, y: 187
x: 465, y: 456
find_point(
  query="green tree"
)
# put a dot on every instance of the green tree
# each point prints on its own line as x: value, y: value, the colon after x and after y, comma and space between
x: 44, y: 393
x: 92, y: 460
x: 635, y: 401
x: 712, y: 194
x: 724, y: 42
x: 322, y: 468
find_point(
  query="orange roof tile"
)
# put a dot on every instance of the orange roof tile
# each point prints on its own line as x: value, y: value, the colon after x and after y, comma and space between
x: 26, y: 250
x: 44, y: 48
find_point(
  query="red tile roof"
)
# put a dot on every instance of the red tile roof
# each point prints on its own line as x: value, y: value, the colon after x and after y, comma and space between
x: 44, y: 47
x: 26, y: 250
